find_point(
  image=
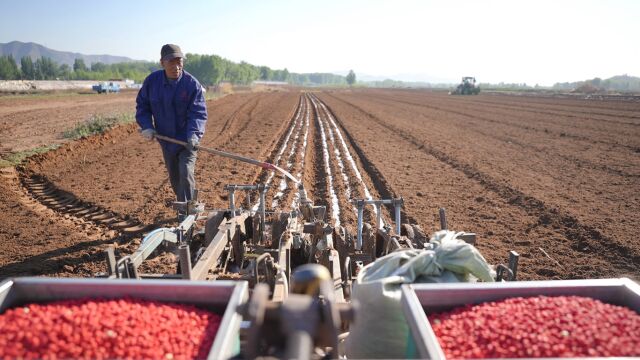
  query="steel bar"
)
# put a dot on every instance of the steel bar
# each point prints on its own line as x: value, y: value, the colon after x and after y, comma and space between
x: 263, y: 215
x: 262, y: 164
x: 156, y: 237
x: 185, y: 261
x: 151, y: 242
x: 397, y: 204
x: 232, y: 201
x: 513, y: 263
x: 360, y: 203
x: 359, y: 240
x: 216, y: 247
x: 443, y: 219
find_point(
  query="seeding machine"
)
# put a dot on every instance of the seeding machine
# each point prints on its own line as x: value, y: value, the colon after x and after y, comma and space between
x: 283, y: 279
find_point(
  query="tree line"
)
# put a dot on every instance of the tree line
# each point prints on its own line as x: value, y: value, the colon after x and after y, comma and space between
x: 213, y: 69
x: 208, y: 69
x: 622, y: 83
x: 44, y: 68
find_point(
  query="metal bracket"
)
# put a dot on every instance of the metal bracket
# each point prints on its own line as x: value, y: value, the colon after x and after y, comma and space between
x: 185, y: 261
x: 360, y: 203
x: 262, y: 191
x: 126, y: 269
x: 268, y: 265
x: 511, y: 271
x: 469, y: 238
x: 443, y: 219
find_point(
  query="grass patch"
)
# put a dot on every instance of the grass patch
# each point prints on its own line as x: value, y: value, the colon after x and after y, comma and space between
x: 97, y: 124
x: 214, y: 95
x: 16, y: 158
x: 40, y: 94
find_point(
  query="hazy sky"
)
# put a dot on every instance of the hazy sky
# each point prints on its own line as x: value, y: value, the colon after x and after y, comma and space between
x: 535, y: 41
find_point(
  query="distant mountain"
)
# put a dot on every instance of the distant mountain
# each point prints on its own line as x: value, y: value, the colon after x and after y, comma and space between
x: 19, y: 49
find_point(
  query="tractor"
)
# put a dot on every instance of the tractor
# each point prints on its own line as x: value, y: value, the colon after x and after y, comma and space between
x: 467, y: 87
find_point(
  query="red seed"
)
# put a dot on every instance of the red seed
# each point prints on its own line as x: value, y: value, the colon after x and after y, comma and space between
x: 538, y: 327
x: 125, y: 328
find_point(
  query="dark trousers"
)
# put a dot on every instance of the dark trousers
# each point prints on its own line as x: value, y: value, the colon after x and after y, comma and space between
x: 181, y: 167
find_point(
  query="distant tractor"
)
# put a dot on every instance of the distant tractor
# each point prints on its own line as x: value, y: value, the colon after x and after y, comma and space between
x: 467, y: 87
x: 106, y: 87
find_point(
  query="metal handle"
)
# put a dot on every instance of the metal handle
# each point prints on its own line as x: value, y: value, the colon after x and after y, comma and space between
x: 264, y: 165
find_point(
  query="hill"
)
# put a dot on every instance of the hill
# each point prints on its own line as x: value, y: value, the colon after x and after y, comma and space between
x: 19, y: 49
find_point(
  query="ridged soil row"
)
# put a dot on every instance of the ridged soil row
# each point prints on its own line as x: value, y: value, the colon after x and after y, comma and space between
x: 280, y: 156
x: 354, y: 180
x: 558, y: 147
x: 284, y: 189
x: 367, y: 181
x: 581, y: 238
x: 585, y: 129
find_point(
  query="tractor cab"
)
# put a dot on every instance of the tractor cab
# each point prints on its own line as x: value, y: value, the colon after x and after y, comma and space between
x: 469, y: 80
x: 466, y: 87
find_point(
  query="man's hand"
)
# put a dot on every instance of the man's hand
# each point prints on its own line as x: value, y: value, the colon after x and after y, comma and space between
x: 148, y: 134
x: 192, y: 143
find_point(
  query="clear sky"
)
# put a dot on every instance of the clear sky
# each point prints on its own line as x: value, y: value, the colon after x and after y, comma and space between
x: 532, y: 41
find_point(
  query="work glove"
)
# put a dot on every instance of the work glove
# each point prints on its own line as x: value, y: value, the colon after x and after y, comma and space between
x: 148, y: 134
x: 192, y: 143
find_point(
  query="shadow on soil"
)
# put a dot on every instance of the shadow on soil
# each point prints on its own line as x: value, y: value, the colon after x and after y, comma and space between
x: 76, y: 260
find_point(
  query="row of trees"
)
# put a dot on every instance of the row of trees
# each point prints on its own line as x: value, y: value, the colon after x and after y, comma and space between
x: 622, y: 83
x: 208, y: 69
x: 213, y: 69
x: 312, y: 79
x: 46, y: 69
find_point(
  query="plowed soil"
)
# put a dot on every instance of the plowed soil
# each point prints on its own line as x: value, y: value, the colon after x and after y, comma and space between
x: 27, y: 122
x: 556, y: 180
x: 124, y: 176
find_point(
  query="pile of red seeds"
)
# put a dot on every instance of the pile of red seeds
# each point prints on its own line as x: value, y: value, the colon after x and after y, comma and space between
x: 562, y: 326
x: 107, y: 329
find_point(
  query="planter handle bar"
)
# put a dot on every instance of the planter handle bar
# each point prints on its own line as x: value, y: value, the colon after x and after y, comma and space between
x: 262, y: 164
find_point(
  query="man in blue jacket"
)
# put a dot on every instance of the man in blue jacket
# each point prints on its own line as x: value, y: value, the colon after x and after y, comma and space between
x: 171, y: 103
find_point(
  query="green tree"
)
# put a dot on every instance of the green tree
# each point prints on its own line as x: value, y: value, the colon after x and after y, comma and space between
x: 15, y: 72
x: 98, y: 67
x: 5, y: 68
x: 8, y: 68
x: 45, y: 69
x: 79, y: 65
x: 26, y: 66
x: 208, y: 69
x: 266, y: 73
x: 64, y: 72
x: 351, y: 78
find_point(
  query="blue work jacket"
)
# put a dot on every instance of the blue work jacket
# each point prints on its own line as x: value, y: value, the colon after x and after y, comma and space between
x: 175, y: 109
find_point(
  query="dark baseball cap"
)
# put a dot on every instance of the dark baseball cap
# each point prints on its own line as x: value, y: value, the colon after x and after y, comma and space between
x: 170, y: 51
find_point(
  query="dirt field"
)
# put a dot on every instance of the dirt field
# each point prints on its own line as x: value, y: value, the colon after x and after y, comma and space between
x: 27, y: 122
x: 524, y: 173
x: 557, y: 180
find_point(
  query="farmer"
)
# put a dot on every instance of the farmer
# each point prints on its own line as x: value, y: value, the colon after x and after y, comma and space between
x: 171, y: 103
